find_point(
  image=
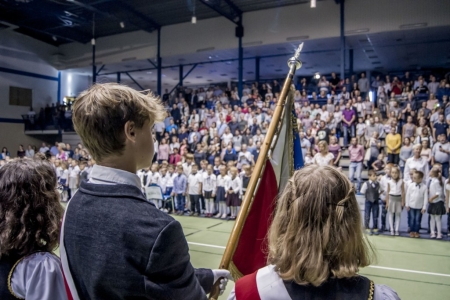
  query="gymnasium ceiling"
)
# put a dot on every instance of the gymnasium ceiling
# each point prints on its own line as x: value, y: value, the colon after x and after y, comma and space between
x: 59, y: 22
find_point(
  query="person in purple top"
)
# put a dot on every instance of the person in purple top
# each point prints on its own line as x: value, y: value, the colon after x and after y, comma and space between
x: 348, y: 122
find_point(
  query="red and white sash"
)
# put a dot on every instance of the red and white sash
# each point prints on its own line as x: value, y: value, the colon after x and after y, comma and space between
x: 71, y: 290
x: 264, y: 284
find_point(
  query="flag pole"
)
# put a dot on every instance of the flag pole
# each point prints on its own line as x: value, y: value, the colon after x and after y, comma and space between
x: 294, y: 63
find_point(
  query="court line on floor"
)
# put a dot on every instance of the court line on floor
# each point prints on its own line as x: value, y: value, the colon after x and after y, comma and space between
x: 374, y: 267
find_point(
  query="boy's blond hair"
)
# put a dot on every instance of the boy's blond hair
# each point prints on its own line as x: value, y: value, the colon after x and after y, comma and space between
x: 100, y: 114
x: 316, y: 231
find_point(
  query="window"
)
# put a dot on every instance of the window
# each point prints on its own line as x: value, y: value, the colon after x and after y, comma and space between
x: 20, y: 96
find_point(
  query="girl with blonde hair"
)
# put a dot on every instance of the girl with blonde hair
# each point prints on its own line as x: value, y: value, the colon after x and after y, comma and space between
x: 316, y: 244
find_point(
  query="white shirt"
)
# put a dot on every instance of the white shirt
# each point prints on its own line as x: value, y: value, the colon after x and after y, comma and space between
x: 162, y: 182
x: 65, y: 175
x: 384, y: 184
x: 321, y: 160
x: 194, y: 181
x: 227, y: 138
x: 420, y: 164
x: 155, y: 178
x: 170, y: 180
x: 436, y: 189
x: 364, y: 187
x: 395, y: 187
x: 221, y: 180
x: 74, y: 172
x: 187, y: 169
x: 417, y: 196
x: 209, y: 183
x: 234, y: 184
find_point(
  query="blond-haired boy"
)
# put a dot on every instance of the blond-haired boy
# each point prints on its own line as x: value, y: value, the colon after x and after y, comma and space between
x: 114, y: 243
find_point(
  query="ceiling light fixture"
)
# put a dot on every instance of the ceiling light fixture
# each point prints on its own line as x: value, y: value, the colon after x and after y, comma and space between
x: 313, y: 3
x: 54, y: 38
x: 122, y: 25
x: 317, y: 76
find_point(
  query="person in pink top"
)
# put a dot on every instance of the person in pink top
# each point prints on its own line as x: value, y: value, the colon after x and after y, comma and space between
x: 163, y: 151
x: 356, y: 154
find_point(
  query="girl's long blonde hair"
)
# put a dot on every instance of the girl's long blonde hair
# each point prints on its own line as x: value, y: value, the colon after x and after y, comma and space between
x: 317, y: 229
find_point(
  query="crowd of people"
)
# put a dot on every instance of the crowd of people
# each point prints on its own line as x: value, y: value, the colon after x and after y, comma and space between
x: 212, y: 139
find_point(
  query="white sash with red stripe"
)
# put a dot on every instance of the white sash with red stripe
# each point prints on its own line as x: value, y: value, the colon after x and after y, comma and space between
x: 70, y: 285
x: 270, y: 285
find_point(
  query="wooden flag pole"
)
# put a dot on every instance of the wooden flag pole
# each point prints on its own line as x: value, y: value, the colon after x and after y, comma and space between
x: 294, y: 64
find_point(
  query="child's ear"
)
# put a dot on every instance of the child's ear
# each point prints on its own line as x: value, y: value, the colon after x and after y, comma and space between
x: 130, y: 130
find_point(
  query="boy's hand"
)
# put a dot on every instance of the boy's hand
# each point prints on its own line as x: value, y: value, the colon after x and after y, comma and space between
x: 172, y: 194
x: 226, y: 195
x: 184, y: 194
x: 407, y: 208
x: 423, y: 211
x: 213, y: 195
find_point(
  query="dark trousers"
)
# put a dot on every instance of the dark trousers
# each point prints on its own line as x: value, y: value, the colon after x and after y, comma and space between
x: 414, y: 219
x: 445, y: 169
x: 181, y: 202
x: 159, y: 136
x: 383, y: 214
x: 195, y: 203
x: 393, y: 158
x: 371, y: 207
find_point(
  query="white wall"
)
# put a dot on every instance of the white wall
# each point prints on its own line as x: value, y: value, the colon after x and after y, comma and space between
x: 269, y: 26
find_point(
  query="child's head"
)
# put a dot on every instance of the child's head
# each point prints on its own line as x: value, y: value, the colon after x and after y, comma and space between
x: 372, y: 175
x: 203, y: 164
x: 233, y: 171
x: 230, y: 164
x: 64, y: 165
x: 360, y: 120
x: 412, y: 171
x: 209, y: 169
x: 163, y: 171
x: 395, y: 173
x: 380, y: 156
x: 189, y: 158
x: 388, y: 169
x: 73, y: 163
x: 155, y: 167
x: 247, y: 169
x: 216, y: 161
x: 223, y: 170
x: 82, y: 165
x: 126, y: 114
x: 417, y: 176
x: 179, y: 170
x: 29, y: 209
x: 437, y: 166
x: 194, y: 169
x: 327, y: 230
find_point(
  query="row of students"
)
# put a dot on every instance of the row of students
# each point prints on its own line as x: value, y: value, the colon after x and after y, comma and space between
x: 212, y: 190
x: 70, y: 173
x: 415, y: 193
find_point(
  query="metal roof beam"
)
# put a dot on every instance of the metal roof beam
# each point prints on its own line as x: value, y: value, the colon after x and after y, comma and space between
x: 230, y: 11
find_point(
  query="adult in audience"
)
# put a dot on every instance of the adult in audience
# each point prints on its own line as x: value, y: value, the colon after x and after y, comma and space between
x: 393, y: 144
x: 348, y: 120
x: 405, y: 152
x: 441, y: 154
x: 31, y: 150
x: 335, y: 149
x: 43, y: 148
x: 416, y: 162
x: 356, y: 154
x: 323, y: 157
x: 316, y: 244
x: 21, y: 152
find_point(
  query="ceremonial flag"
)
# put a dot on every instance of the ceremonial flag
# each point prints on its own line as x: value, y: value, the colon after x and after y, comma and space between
x: 284, y: 157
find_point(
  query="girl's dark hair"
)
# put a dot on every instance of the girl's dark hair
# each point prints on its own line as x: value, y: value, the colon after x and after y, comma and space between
x: 30, y: 213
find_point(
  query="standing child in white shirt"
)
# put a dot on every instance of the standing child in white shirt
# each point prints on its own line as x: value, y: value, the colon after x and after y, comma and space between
x: 407, y: 180
x: 360, y: 130
x: 74, y: 178
x: 195, y: 190
x: 209, y: 190
x: 162, y: 182
x: 395, y: 199
x: 222, y: 178
x: 416, y: 202
x: 436, y: 208
x: 64, y: 181
x: 233, y: 189
x: 384, y: 184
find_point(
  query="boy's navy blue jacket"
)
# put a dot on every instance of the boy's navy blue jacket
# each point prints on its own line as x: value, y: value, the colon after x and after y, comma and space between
x: 119, y: 246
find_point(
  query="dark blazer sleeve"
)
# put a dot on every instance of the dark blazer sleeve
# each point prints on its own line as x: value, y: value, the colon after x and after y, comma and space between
x: 169, y: 273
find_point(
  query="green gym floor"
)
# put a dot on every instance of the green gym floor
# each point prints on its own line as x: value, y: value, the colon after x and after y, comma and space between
x: 415, y: 268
